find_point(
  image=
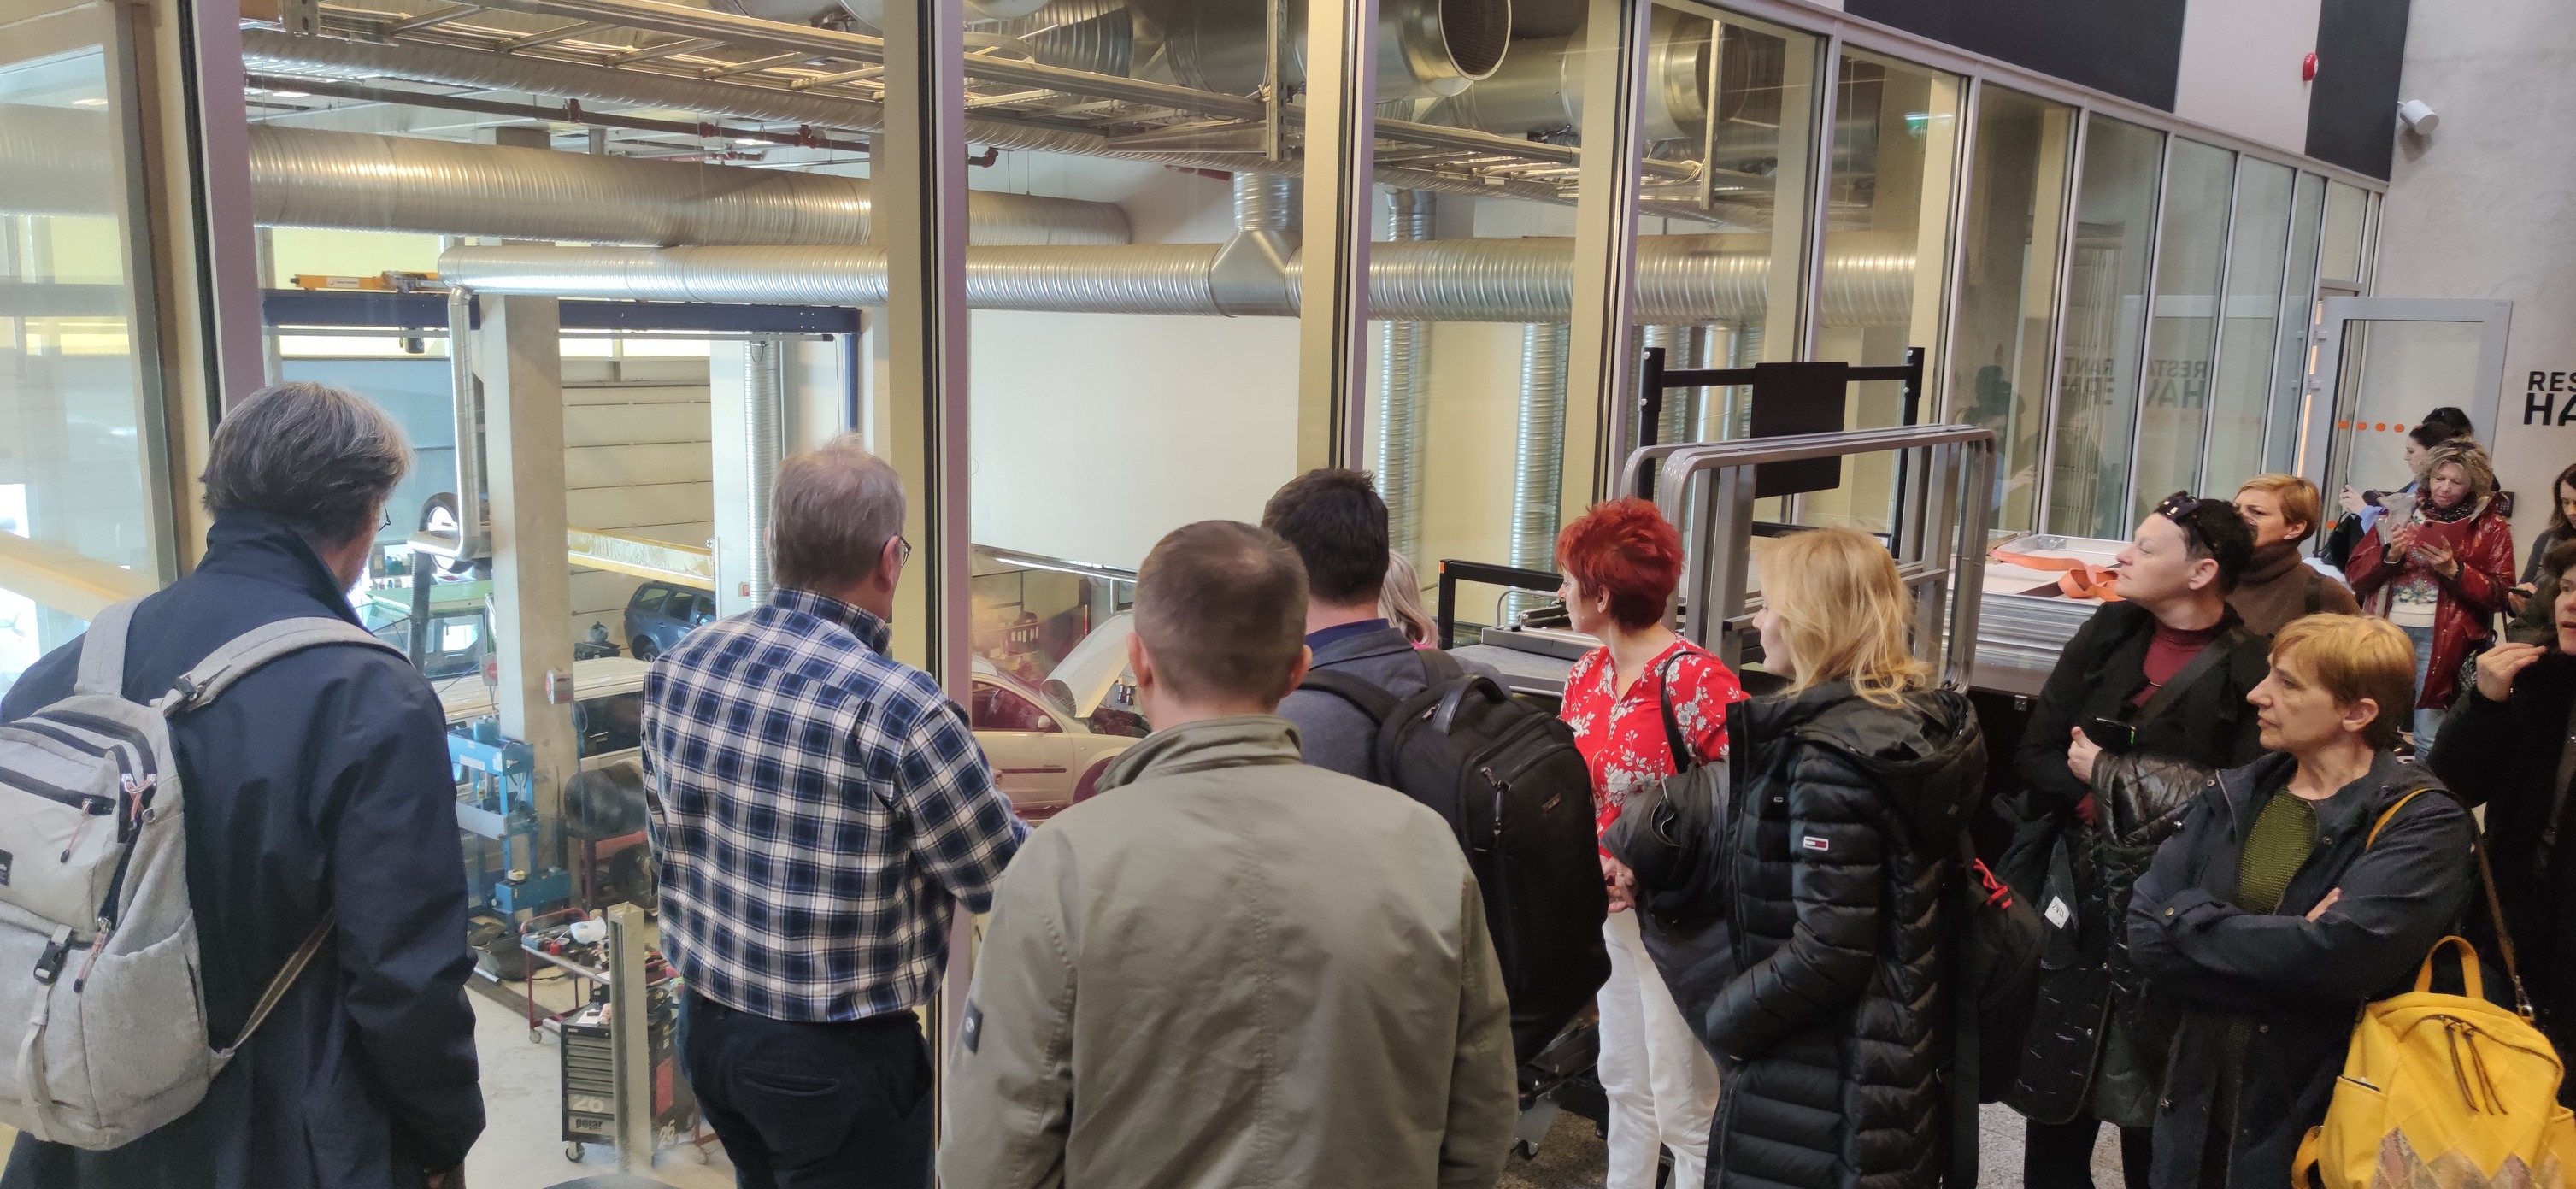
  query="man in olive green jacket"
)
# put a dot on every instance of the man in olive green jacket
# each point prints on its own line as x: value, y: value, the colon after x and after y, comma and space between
x: 1230, y: 968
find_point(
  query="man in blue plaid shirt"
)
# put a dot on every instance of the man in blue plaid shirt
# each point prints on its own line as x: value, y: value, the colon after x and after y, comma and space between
x: 819, y: 806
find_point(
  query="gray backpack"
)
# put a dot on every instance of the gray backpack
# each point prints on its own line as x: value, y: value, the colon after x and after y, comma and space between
x: 98, y: 943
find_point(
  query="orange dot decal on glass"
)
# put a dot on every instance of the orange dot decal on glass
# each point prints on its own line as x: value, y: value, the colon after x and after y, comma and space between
x: 2383, y: 425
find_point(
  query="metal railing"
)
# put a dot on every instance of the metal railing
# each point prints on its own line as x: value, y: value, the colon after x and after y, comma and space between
x: 1943, y: 477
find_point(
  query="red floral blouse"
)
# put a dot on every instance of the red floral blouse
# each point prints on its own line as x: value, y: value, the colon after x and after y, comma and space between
x: 1622, y: 737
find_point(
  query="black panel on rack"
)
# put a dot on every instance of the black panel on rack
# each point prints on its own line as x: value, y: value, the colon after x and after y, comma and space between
x: 2130, y: 48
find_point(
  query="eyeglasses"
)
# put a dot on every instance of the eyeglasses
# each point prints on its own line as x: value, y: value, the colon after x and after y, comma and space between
x: 902, y: 550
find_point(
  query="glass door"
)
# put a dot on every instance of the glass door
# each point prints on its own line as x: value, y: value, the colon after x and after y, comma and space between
x: 2379, y: 365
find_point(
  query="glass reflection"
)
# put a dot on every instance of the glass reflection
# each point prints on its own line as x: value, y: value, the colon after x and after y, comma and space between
x: 74, y: 435
x: 2174, y: 409
x: 1887, y: 236
x: 2239, y: 400
x: 2007, y: 294
x: 2106, y: 292
x: 2346, y: 207
x: 2298, y: 306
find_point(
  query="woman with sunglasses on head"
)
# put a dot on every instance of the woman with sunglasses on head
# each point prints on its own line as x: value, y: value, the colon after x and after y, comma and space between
x: 2146, y: 703
x: 2441, y: 574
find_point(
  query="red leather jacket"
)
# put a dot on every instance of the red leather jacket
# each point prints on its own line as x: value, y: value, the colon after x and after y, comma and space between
x: 2483, y: 545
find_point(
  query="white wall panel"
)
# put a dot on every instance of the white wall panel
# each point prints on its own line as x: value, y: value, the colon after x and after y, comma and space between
x: 2240, y: 68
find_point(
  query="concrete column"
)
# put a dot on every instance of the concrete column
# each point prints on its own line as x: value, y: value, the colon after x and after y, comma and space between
x: 518, y: 365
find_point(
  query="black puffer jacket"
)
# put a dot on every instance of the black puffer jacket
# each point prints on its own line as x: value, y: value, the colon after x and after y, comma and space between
x: 1845, y: 832
x: 2096, y: 1046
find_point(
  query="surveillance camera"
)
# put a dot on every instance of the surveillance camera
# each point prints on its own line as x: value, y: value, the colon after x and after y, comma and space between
x: 2419, y: 116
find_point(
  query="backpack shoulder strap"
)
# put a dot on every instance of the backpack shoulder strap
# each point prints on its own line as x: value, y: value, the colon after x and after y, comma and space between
x: 282, y: 982
x: 245, y: 653
x: 102, y: 659
x: 1371, y: 699
x: 2486, y: 882
x: 1438, y: 667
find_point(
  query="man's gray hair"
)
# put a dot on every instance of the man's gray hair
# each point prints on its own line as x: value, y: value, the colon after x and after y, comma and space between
x: 831, y: 511
x: 322, y: 459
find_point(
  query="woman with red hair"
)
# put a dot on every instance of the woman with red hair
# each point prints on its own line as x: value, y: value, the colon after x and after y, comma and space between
x: 1621, y: 562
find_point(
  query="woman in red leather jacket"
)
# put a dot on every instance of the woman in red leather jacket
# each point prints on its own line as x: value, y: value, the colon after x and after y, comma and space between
x: 2441, y: 574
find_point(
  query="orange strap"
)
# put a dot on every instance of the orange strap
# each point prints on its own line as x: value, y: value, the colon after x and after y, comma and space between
x: 2077, y: 578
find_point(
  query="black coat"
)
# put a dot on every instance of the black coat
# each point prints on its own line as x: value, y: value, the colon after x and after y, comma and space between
x: 2096, y: 1043
x: 1845, y: 831
x: 2505, y: 756
x: 2298, y: 981
x: 319, y: 782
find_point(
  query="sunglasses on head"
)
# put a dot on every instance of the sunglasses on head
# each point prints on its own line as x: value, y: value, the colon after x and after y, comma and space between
x: 2178, y: 507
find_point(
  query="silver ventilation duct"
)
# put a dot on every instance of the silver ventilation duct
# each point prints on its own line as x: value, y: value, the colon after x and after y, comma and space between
x: 1539, y: 87
x: 55, y: 161
x: 1404, y: 388
x: 283, y: 53
x: 1676, y: 423
x: 1426, y: 48
x: 1682, y: 279
x: 1096, y: 36
x: 1538, y: 469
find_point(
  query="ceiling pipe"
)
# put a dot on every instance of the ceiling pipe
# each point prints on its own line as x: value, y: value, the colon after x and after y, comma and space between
x: 1682, y: 279
x: 55, y: 161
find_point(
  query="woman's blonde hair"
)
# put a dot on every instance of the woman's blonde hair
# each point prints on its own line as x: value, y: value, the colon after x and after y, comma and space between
x: 2352, y: 657
x: 2297, y: 497
x: 2473, y: 465
x: 1401, y: 601
x: 1839, y: 601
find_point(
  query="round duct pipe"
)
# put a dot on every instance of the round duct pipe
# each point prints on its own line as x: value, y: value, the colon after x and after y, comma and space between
x: 1539, y: 88
x: 1404, y: 391
x: 1683, y: 280
x: 57, y: 161
x: 1538, y: 466
x: 1426, y: 48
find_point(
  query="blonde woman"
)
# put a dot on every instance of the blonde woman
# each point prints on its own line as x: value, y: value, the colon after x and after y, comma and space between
x: 1401, y: 602
x: 1853, y: 785
x: 2442, y: 575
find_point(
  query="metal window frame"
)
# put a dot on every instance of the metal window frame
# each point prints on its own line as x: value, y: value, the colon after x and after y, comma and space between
x: 2494, y: 316
x: 2146, y: 317
x: 1954, y: 245
x: 2069, y: 221
x: 2217, y: 320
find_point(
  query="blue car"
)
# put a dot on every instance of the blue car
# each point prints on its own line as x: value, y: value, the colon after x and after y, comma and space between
x: 660, y: 613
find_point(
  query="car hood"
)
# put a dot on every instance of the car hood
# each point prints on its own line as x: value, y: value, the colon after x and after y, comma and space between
x: 1093, y: 668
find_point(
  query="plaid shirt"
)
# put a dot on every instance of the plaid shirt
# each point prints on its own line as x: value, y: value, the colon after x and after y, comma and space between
x: 819, y: 805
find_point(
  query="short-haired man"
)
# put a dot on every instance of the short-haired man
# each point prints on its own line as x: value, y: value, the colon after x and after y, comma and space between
x: 1231, y: 968
x: 819, y: 807
x: 1335, y: 521
x: 318, y: 784
x: 2146, y: 704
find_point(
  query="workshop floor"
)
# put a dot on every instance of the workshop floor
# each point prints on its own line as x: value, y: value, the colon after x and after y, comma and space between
x: 522, y: 1146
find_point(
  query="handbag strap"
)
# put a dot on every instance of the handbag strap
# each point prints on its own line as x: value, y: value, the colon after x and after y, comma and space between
x: 285, y: 981
x: 2486, y: 881
x: 2192, y: 671
x: 1683, y: 758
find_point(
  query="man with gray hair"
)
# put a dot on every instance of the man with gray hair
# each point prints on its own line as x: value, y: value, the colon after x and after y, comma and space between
x: 318, y: 785
x: 819, y: 805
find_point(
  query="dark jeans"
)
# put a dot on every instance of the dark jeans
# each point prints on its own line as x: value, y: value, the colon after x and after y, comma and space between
x: 813, y: 1106
x: 2060, y: 1155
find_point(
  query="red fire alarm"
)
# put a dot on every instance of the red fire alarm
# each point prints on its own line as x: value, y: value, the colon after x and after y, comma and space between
x: 2308, y: 69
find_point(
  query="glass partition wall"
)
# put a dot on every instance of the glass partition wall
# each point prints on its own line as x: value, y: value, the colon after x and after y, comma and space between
x: 2011, y: 242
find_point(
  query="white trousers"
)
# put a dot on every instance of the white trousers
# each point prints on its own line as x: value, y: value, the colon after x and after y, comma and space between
x: 1661, y: 1082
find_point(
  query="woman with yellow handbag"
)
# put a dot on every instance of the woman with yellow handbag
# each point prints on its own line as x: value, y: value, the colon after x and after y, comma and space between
x: 2298, y: 884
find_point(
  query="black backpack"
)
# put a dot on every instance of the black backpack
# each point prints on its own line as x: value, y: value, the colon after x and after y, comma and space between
x: 1517, y: 795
